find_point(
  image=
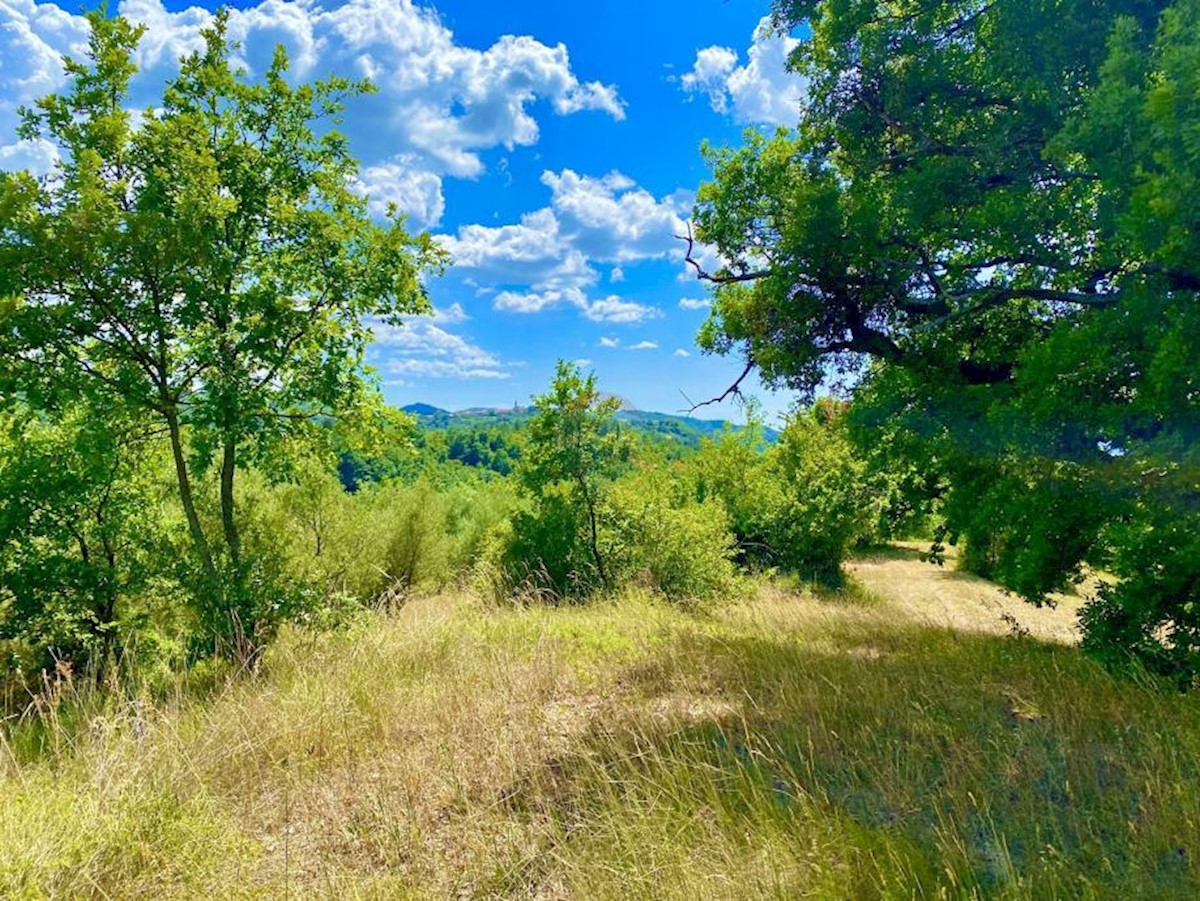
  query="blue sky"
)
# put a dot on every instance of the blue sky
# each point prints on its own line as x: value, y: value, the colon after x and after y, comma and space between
x: 554, y: 148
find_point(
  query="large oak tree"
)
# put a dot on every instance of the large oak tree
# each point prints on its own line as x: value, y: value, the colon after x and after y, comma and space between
x: 986, y: 220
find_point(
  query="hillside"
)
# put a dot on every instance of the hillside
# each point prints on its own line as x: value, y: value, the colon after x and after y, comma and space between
x: 785, y: 745
x: 687, y: 430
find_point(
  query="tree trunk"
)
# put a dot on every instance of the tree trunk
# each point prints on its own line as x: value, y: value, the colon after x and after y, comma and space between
x: 591, y: 508
x: 233, y: 539
x: 184, y: 483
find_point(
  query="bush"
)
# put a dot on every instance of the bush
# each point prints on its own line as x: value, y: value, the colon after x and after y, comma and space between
x: 541, y: 554
x: 681, y: 549
x: 1151, y: 616
x: 732, y: 470
x: 827, y: 502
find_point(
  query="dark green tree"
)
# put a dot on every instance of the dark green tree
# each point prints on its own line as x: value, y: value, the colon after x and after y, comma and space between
x: 987, y: 210
x: 77, y: 530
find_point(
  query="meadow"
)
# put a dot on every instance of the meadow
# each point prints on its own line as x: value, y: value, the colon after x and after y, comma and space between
x: 915, y: 739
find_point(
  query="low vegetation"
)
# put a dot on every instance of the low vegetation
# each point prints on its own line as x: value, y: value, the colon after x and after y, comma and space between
x: 787, y: 745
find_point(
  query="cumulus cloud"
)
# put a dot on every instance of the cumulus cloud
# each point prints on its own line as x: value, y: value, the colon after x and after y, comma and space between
x: 609, y: 342
x: 692, y: 303
x: 709, y: 75
x: 422, y: 348
x: 440, y: 104
x: 644, y: 345
x: 403, y: 185
x: 38, y: 157
x: 680, y: 352
x: 610, y: 218
x: 451, y: 315
x: 608, y: 309
x: 763, y: 91
x: 615, y: 309
x: 551, y: 256
x: 33, y: 39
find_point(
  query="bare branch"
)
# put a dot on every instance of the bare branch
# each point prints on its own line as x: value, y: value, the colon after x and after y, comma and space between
x: 715, y: 279
x: 734, y: 390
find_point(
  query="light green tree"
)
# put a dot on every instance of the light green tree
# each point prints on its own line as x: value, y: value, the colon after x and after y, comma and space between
x: 208, y: 266
x: 572, y: 444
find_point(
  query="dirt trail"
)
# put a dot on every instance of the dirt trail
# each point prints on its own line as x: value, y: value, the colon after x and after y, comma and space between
x: 942, y: 596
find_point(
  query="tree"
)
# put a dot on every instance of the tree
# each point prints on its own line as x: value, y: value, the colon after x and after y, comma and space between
x: 999, y: 248
x: 80, y: 538
x: 572, y: 444
x: 209, y: 267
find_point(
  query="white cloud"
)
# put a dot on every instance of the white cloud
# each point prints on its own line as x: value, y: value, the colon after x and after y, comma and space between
x: 38, y: 156
x: 680, y: 352
x: 33, y: 38
x: 611, y: 219
x: 550, y: 257
x: 403, y: 184
x: 617, y: 275
x: 644, y: 345
x: 609, y: 342
x: 421, y: 348
x: 614, y: 309
x: 609, y: 309
x: 583, y: 363
x: 709, y: 74
x: 440, y: 104
x: 763, y: 91
x: 691, y: 303
x: 451, y: 315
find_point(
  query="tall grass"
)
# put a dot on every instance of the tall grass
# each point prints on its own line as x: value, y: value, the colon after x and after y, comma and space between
x: 786, y: 746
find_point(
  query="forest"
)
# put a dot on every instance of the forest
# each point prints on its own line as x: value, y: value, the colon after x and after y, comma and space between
x: 974, y: 269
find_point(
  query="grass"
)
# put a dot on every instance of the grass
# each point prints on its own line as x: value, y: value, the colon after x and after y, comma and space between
x: 785, y: 746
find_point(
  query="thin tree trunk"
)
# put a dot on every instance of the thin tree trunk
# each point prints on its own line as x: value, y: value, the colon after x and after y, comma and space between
x: 107, y: 611
x: 187, y: 498
x: 233, y: 539
x: 591, y: 508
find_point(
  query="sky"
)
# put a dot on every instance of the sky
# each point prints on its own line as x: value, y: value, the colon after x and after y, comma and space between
x: 552, y: 148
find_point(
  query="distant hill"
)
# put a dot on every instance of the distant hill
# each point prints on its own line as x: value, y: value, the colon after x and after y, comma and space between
x: 423, y: 410
x: 684, y: 429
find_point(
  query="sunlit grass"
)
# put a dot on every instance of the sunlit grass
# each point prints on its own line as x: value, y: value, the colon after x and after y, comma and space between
x: 780, y: 747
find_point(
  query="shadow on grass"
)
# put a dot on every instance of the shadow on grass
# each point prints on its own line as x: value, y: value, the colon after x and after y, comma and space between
x: 970, y: 764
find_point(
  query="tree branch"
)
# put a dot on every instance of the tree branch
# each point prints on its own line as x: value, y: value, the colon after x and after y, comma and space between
x: 715, y: 279
x: 734, y: 390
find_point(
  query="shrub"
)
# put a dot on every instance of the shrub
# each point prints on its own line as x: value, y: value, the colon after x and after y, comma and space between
x: 681, y: 548
x: 826, y: 503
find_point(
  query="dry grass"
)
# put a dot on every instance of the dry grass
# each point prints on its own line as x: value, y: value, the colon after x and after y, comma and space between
x: 943, y: 597
x: 785, y: 746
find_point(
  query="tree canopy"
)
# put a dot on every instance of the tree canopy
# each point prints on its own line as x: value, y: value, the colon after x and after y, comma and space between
x: 984, y: 221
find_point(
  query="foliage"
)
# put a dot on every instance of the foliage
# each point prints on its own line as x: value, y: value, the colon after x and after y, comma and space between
x: 210, y: 268
x: 732, y: 470
x: 657, y: 537
x: 78, y: 540
x: 966, y: 223
x: 571, y: 458
x: 826, y: 499
x: 799, y: 505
